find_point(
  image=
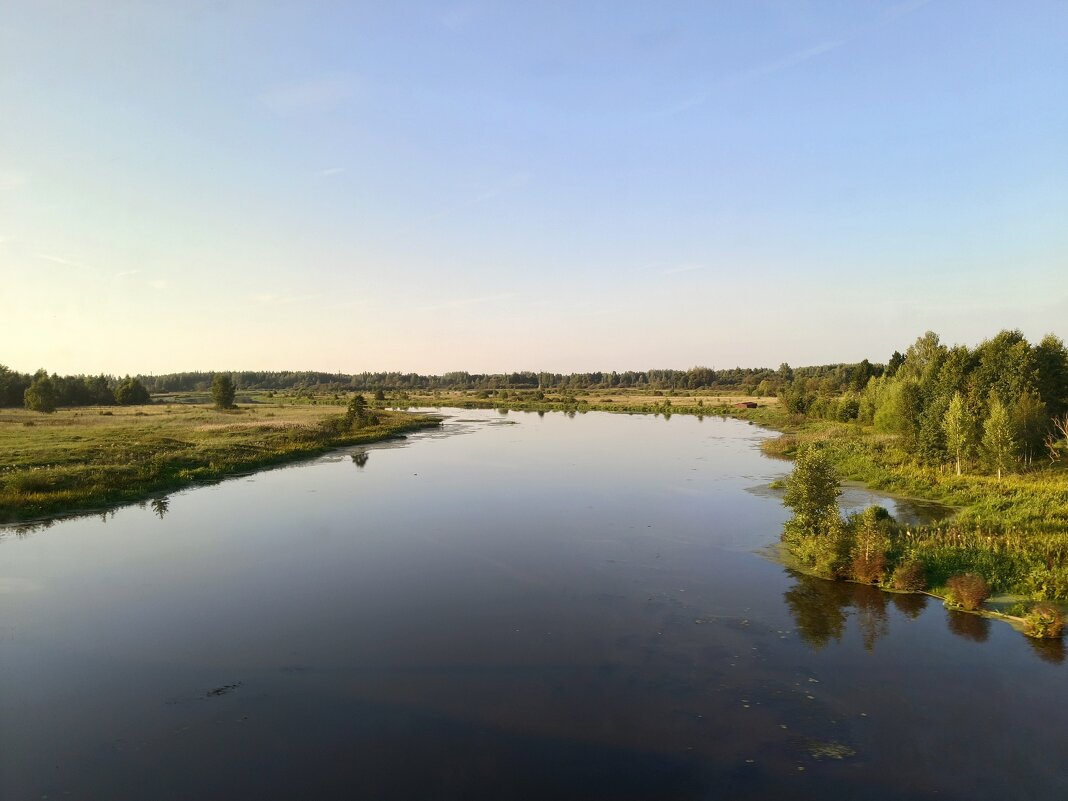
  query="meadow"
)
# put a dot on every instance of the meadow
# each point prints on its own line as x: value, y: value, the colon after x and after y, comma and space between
x: 94, y: 457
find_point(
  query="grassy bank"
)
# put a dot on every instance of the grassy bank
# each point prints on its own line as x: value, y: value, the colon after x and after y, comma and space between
x: 93, y: 457
x: 626, y: 401
x: 1012, y: 532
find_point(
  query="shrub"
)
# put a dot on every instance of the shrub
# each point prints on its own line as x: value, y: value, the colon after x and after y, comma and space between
x: 968, y: 591
x: 910, y: 576
x: 871, y: 541
x: 1044, y: 620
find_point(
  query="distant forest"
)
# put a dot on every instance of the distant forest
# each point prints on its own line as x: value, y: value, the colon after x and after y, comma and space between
x: 911, y: 395
x: 83, y: 390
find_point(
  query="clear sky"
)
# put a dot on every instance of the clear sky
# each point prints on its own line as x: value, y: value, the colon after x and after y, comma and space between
x: 499, y: 186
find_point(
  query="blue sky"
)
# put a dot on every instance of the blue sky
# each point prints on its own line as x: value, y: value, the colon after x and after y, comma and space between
x: 501, y: 186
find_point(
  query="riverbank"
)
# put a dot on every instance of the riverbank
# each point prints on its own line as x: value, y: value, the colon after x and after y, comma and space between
x: 1012, y: 532
x: 96, y: 457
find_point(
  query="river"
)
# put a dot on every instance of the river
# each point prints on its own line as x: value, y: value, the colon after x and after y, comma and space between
x: 513, y: 606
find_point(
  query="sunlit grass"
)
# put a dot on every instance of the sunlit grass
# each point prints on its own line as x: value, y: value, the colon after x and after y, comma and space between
x: 91, y: 457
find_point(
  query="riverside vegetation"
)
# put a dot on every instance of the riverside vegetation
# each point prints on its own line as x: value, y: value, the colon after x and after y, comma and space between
x: 982, y: 429
x: 92, y: 457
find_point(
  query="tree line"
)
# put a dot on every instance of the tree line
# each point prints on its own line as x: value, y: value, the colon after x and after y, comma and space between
x: 746, y: 379
x: 1001, y: 404
x: 45, y: 393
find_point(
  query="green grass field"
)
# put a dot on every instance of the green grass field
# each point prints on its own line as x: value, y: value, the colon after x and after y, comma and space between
x: 95, y: 457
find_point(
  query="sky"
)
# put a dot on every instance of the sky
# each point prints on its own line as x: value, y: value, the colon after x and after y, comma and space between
x: 499, y: 186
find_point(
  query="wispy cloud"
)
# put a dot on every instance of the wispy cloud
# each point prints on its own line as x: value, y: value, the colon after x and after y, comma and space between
x: 158, y: 284
x: 456, y: 303
x: 326, y: 173
x: 76, y: 265
x: 125, y: 273
x: 752, y: 74
x: 792, y: 60
x: 315, y: 95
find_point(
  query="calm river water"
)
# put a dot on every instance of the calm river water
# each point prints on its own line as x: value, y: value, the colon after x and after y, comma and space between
x: 516, y: 606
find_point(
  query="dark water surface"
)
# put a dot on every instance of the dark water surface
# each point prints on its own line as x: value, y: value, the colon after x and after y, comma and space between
x: 515, y: 607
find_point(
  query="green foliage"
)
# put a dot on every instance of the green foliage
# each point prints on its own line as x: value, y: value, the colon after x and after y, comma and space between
x: 812, y: 489
x: 40, y: 396
x: 1029, y: 421
x: 871, y: 543
x: 13, y: 387
x: 999, y: 442
x: 223, y: 391
x: 131, y: 392
x: 1044, y: 620
x: 1051, y: 363
x: 76, y: 462
x: 357, y: 415
x: 816, y: 536
x: 959, y: 429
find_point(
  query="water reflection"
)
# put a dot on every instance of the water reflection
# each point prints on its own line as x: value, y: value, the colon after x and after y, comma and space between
x: 360, y: 459
x: 818, y: 608
x: 821, y: 610
x: 160, y: 506
x: 967, y: 626
x: 1052, y: 651
x: 871, y: 614
x: 911, y: 605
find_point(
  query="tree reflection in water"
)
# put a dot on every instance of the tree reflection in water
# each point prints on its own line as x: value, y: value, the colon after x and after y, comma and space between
x: 871, y: 613
x: 909, y: 604
x: 970, y: 627
x: 818, y: 608
x: 1050, y: 650
x: 160, y: 506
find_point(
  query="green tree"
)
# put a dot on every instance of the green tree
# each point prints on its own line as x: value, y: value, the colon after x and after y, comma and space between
x: 131, y: 392
x: 816, y: 535
x: 999, y: 441
x: 223, y: 391
x: 1030, y: 423
x: 898, y: 412
x: 871, y: 541
x: 894, y: 364
x: 358, y: 415
x: 40, y: 395
x: 959, y: 429
x: 13, y: 387
x: 1051, y: 359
